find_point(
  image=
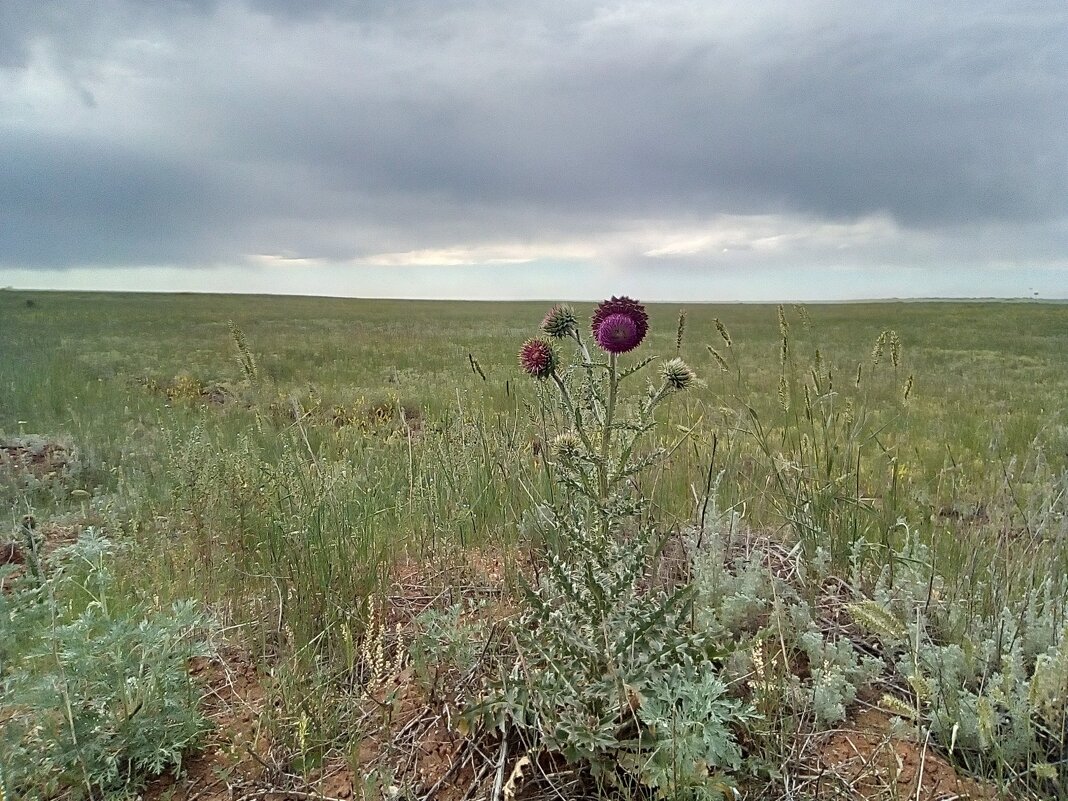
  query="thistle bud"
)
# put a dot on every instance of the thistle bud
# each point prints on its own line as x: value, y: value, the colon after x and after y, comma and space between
x: 560, y: 321
x: 537, y: 358
x: 567, y: 446
x: 677, y: 374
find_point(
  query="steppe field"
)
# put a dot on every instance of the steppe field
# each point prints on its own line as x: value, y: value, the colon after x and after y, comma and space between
x: 308, y: 548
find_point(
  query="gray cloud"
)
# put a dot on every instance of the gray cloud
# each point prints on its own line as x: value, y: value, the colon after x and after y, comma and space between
x: 204, y: 132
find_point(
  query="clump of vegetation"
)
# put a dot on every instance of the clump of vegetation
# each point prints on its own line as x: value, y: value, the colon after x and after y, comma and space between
x: 598, y: 636
x: 97, y: 694
x: 988, y: 684
x: 610, y: 672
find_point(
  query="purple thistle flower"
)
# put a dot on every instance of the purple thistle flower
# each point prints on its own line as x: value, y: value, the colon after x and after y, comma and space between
x: 537, y: 358
x: 618, y: 333
x: 621, y: 306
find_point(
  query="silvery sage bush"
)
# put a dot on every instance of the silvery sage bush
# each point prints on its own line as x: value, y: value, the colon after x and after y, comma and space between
x: 609, y: 671
x: 95, y: 695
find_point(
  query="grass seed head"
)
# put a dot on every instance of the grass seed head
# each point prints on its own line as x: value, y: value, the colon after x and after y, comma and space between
x: 722, y: 331
x: 680, y: 331
x: 894, y: 705
x: 877, y: 350
x: 719, y: 359
x: 895, y: 348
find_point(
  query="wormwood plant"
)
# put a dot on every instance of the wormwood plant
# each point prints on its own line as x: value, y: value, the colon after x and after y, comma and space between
x: 95, y: 694
x: 990, y: 685
x: 610, y: 672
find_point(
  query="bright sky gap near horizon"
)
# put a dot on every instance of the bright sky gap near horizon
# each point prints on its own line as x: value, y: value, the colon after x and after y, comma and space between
x: 698, y: 150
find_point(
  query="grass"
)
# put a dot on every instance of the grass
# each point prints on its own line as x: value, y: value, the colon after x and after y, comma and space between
x: 279, y: 491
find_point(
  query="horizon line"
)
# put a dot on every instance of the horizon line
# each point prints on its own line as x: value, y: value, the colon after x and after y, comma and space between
x: 859, y: 300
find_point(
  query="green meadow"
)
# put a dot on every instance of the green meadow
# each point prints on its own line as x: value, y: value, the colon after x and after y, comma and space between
x: 280, y: 469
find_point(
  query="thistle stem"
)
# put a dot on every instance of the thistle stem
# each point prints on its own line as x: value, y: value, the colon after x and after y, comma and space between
x: 587, y: 364
x: 586, y: 360
x: 606, y: 435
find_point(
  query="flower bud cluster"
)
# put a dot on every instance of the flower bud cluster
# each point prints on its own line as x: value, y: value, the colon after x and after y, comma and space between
x: 619, y: 325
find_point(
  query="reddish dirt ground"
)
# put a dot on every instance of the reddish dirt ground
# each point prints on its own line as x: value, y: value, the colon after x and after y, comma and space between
x: 862, y: 760
x: 37, y: 457
x: 231, y: 760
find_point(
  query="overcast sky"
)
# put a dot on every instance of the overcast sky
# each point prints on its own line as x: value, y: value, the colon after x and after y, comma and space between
x: 704, y: 150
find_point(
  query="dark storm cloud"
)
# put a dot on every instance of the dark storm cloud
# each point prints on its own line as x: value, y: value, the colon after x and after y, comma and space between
x: 99, y: 203
x: 199, y: 132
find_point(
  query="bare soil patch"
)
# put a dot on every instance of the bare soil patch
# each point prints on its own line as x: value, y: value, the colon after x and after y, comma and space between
x: 233, y: 759
x: 36, y: 455
x: 413, y: 738
x: 862, y: 760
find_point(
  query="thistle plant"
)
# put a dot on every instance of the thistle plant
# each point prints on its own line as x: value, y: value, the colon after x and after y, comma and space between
x: 600, y: 451
x: 611, y: 673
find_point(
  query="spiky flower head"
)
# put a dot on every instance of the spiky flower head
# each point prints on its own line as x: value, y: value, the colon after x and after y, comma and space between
x: 567, y: 446
x: 560, y: 321
x: 618, y: 333
x: 625, y: 307
x: 537, y: 358
x: 677, y: 374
